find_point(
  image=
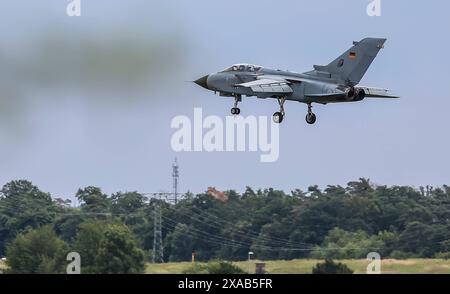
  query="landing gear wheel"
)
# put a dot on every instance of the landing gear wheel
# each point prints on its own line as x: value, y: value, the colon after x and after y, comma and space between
x: 235, y: 111
x: 278, y: 117
x: 311, y: 118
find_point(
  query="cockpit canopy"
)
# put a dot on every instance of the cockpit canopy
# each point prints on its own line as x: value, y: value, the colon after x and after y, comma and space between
x: 243, y: 67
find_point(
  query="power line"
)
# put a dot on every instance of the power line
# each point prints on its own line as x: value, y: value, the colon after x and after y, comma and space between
x: 209, y: 238
x: 220, y: 224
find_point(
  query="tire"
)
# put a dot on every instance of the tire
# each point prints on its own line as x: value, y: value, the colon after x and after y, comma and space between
x: 311, y: 118
x: 278, y: 117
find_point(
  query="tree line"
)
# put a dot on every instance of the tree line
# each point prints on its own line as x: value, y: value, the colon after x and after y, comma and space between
x: 114, y: 233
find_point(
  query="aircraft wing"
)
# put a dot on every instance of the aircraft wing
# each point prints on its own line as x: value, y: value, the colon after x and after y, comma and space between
x: 376, y: 92
x: 268, y: 86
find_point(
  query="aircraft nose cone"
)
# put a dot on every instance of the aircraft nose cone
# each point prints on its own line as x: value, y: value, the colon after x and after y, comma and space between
x: 202, y: 82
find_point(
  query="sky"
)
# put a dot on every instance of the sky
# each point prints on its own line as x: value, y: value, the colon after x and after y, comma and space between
x: 89, y: 100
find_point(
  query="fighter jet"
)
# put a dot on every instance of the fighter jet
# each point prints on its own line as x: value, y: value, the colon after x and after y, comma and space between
x: 332, y: 83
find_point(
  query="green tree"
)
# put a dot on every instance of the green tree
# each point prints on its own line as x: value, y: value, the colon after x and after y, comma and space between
x: 87, y: 244
x: 66, y: 225
x: 181, y: 245
x: 38, y: 251
x: 23, y: 205
x: 118, y: 252
x: 424, y: 240
x: 127, y: 203
x: 396, y: 221
x: 132, y: 210
x: 340, y: 244
x: 223, y: 268
x: 108, y: 249
x: 93, y: 200
x: 329, y: 267
x: 363, y: 187
x: 214, y: 268
x: 237, y: 234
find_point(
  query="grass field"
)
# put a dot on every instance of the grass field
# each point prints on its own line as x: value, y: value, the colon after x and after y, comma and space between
x: 304, y: 266
x: 388, y: 266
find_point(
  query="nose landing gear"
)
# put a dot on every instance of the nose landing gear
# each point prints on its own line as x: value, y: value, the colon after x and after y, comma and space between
x: 236, y: 110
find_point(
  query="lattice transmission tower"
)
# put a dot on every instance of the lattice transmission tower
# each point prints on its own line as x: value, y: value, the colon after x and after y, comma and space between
x: 158, y: 246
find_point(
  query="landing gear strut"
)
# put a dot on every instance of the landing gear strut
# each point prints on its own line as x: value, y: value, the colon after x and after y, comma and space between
x: 310, y: 117
x: 235, y: 110
x: 279, y: 115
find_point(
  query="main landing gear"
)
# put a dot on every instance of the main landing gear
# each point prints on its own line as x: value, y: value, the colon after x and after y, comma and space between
x: 310, y: 117
x: 236, y: 110
x: 279, y: 115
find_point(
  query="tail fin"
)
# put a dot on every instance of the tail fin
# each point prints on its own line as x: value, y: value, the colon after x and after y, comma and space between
x: 351, y: 66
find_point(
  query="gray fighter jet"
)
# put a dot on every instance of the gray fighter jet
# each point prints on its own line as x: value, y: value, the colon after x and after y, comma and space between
x: 332, y: 83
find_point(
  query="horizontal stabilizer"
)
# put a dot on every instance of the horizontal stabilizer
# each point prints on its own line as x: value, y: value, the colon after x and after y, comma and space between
x: 376, y: 92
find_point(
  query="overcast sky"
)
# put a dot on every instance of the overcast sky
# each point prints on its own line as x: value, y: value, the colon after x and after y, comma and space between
x: 89, y: 100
